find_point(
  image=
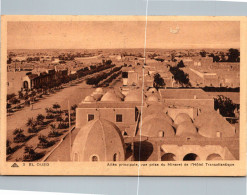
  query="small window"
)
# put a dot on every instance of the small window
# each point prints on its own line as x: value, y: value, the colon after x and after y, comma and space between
x: 125, y: 74
x: 90, y: 117
x: 95, y: 158
x: 119, y: 118
x: 218, y: 134
x: 161, y: 134
x: 76, y: 157
x: 115, y: 157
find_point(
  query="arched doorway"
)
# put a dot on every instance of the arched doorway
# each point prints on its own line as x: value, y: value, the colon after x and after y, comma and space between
x: 76, y: 157
x: 25, y: 85
x: 214, y: 156
x: 94, y: 158
x: 143, y: 150
x: 191, y: 157
x: 168, y: 157
x: 115, y: 157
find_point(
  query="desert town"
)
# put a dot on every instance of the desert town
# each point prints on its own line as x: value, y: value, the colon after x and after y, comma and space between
x: 119, y: 105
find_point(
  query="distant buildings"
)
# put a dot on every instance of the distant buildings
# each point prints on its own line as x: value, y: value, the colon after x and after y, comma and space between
x: 29, y: 80
x: 203, y: 72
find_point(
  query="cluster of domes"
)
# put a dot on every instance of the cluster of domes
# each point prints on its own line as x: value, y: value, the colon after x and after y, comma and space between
x: 117, y: 96
x: 155, y: 127
x: 155, y: 111
x: 133, y: 96
x: 211, y: 124
x: 155, y: 123
x: 89, y: 98
x: 95, y: 96
x: 111, y: 96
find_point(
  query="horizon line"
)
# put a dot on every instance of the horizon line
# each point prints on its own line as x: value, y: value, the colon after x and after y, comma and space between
x: 115, y: 48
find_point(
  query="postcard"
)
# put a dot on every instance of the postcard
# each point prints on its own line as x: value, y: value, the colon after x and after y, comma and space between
x: 123, y: 95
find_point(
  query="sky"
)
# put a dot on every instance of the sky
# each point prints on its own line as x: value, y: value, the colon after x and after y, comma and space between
x: 122, y: 34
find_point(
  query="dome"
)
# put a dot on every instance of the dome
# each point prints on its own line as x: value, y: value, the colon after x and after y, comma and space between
x: 186, y: 128
x: 89, y: 99
x: 152, y: 98
x: 211, y: 124
x: 119, y: 94
x: 161, y: 116
x: 133, y: 96
x: 110, y: 96
x: 155, y: 127
x: 97, y: 96
x: 181, y: 117
x: 152, y: 90
x: 98, y: 140
x: 155, y: 111
x: 152, y: 109
x: 99, y: 90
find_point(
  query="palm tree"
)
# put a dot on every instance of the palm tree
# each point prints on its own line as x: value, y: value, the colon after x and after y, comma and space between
x: 31, y: 155
x: 19, y: 136
x: 60, y: 119
x: 47, y: 110
x: 30, y: 122
x: 9, y: 150
x: 53, y: 132
x: 20, y: 94
x: 33, y: 95
x: 56, y: 106
x: 53, y: 127
x: 40, y: 119
x: 74, y: 107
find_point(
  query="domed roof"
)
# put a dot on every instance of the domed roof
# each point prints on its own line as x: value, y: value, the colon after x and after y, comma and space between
x: 212, y: 124
x: 89, y: 98
x: 160, y: 116
x: 152, y: 98
x: 152, y: 109
x: 133, y: 96
x: 119, y: 94
x: 155, y: 111
x: 99, y: 90
x: 186, y: 128
x: 99, y: 138
x: 154, y: 126
x: 97, y: 96
x: 181, y: 117
x: 110, y: 96
x: 152, y: 90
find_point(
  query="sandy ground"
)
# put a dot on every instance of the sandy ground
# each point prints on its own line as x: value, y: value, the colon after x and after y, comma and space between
x: 75, y: 94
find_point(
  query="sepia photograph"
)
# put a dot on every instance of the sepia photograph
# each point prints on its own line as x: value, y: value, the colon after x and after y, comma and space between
x: 124, y: 92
